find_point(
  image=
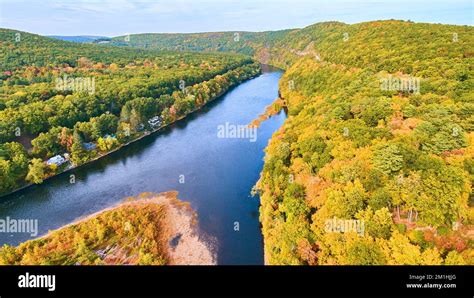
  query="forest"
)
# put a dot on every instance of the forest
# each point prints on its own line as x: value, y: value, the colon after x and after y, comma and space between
x: 64, y: 109
x: 398, y: 159
x: 247, y: 43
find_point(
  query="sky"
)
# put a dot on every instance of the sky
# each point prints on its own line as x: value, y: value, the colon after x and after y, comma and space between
x: 120, y: 17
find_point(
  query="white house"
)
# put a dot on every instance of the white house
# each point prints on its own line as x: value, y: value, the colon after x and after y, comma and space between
x: 57, y: 160
x: 155, y: 121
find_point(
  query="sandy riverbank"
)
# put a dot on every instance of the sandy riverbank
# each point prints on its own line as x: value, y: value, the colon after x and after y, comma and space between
x: 180, y: 238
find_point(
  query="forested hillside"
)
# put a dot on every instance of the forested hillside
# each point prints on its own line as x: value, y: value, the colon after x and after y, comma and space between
x: 380, y: 130
x: 81, y: 101
x: 248, y: 43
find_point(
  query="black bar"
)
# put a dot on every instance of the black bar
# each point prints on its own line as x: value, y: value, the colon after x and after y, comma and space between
x: 290, y: 281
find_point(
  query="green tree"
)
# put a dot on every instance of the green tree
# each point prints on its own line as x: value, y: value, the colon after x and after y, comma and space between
x: 47, y: 144
x: 107, y: 144
x: 135, y: 119
x: 78, y: 154
x: 387, y: 158
x: 36, y: 172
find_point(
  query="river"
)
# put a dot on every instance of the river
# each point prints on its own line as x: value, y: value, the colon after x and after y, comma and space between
x: 214, y: 174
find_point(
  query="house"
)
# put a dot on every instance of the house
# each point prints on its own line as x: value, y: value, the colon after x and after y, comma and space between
x: 56, y: 160
x: 155, y: 121
x: 89, y: 146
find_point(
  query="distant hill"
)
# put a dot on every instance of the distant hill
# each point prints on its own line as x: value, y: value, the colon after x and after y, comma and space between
x: 80, y: 38
x: 33, y: 49
x: 326, y: 39
x: 246, y: 43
